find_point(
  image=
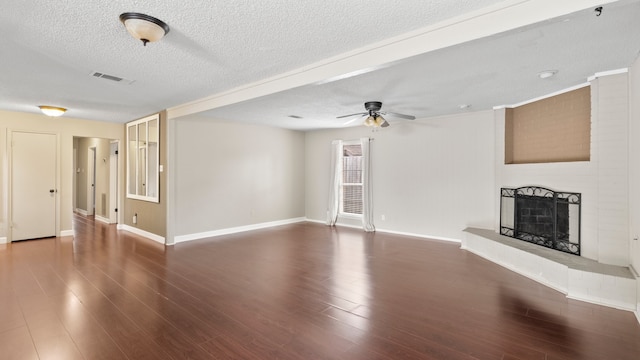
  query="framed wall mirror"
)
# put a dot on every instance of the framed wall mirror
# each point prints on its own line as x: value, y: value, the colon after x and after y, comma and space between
x: 143, y: 158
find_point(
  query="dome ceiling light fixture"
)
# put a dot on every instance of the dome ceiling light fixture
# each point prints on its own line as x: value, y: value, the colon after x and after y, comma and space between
x: 144, y: 27
x: 52, y: 110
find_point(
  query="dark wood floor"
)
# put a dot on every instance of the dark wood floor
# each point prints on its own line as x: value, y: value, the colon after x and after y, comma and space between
x: 303, y: 291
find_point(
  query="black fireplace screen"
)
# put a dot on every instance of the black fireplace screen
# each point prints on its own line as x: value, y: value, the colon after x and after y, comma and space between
x: 541, y: 216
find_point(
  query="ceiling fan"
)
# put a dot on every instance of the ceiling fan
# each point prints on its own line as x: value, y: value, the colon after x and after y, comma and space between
x: 375, y: 118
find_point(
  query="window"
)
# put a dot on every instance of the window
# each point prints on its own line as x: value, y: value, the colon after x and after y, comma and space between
x: 143, y: 158
x: 351, y: 187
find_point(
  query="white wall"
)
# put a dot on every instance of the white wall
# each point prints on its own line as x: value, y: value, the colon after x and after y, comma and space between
x: 66, y: 128
x: 431, y: 177
x: 233, y: 175
x: 603, y: 181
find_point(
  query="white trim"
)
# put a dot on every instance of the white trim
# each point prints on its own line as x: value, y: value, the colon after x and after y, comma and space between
x: 102, y: 219
x: 608, y: 73
x: 67, y: 233
x: 148, y: 235
x: 559, y: 92
x: 315, y: 221
x: 82, y: 212
x: 423, y: 236
x: 156, y: 187
x: 3, y: 240
x: 427, y: 237
x: 233, y: 230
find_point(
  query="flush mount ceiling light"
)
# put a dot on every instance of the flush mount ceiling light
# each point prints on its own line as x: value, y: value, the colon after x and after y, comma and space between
x: 52, y: 110
x: 144, y: 27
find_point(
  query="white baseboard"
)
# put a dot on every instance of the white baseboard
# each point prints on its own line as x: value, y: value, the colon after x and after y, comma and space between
x: 66, y: 233
x: 233, y: 230
x: 82, y: 212
x: 430, y: 237
x: 101, y: 219
x: 148, y: 235
x: 316, y: 221
x: 3, y: 240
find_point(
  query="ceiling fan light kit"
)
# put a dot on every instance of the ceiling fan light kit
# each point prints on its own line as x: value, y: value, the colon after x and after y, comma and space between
x: 144, y: 27
x: 370, y: 121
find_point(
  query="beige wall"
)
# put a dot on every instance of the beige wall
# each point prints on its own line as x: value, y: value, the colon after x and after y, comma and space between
x: 66, y: 128
x: 152, y: 217
x: 234, y: 175
x: 431, y: 177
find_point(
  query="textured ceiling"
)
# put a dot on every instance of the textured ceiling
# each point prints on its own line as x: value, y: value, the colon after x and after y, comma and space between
x: 489, y: 72
x: 48, y: 54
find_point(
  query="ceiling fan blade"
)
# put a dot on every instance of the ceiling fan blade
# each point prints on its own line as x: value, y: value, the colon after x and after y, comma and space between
x: 344, y: 116
x: 402, y: 116
x: 353, y: 120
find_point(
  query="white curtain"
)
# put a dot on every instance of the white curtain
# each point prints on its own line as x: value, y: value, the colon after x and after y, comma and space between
x: 367, y: 192
x: 334, y: 183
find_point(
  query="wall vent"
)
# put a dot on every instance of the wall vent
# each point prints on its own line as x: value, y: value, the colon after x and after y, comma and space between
x: 111, y: 77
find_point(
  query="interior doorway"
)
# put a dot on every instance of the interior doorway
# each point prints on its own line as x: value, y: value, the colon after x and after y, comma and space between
x: 96, y: 178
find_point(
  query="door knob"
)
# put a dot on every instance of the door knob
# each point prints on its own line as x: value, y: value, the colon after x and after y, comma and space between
x: 51, y: 191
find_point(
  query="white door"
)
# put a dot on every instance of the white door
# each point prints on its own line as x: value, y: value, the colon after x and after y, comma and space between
x: 33, y: 185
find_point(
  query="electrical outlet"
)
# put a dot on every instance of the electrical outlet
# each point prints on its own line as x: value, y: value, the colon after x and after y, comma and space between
x: 135, y: 218
x: 383, y: 218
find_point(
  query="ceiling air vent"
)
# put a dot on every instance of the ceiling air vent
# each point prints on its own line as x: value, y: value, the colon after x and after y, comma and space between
x: 111, y: 77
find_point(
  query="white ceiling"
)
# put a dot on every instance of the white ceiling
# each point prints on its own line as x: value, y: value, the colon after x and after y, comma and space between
x: 49, y: 49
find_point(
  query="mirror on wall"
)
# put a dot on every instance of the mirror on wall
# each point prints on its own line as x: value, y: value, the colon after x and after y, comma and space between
x: 143, y: 158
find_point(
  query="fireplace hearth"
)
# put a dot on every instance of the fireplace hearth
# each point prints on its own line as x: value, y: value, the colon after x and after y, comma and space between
x: 541, y: 216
